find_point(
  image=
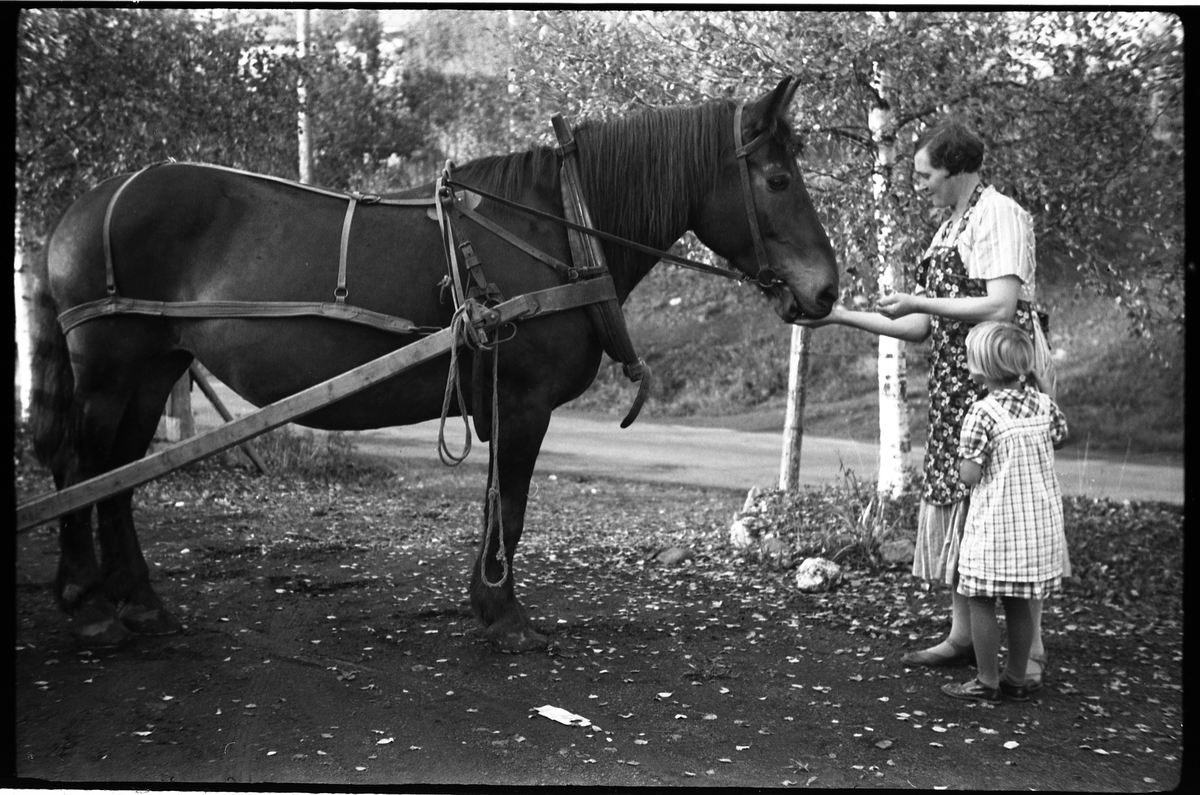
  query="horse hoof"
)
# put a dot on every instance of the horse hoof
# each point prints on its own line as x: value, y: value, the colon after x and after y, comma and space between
x: 103, y: 634
x: 519, y: 641
x: 149, y: 620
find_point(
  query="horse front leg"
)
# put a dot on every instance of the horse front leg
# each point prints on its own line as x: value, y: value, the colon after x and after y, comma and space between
x: 493, y: 577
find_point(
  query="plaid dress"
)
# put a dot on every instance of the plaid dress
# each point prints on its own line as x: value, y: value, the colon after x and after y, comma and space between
x: 1013, y: 544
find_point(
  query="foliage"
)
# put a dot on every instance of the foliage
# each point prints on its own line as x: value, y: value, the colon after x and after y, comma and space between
x: 289, y: 451
x: 1082, y: 114
x: 845, y: 522
x: 106, y: 91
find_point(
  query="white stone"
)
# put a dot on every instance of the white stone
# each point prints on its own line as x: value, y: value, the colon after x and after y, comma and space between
x: 817, y: 574
x: 740, y: 534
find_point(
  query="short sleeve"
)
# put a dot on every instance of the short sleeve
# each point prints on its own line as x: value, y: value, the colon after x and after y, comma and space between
x: 976, y: 432
x: 998, y: 240
x: 1058, y: 425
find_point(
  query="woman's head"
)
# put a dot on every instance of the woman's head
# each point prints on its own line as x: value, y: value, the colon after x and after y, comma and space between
x: 1000, y: 353
x: 952, y: 146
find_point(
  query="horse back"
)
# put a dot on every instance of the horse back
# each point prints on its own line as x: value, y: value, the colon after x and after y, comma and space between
x: 189, y: 233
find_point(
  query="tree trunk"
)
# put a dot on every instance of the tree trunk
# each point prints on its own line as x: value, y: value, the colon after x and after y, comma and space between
x: 793, y: 426
x: 22, y: 288
x: 894, y: 439
x: 304, y: 126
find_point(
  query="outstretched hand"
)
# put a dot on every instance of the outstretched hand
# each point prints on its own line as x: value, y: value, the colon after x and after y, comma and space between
x: 896, y: 305
x: 836, y: 314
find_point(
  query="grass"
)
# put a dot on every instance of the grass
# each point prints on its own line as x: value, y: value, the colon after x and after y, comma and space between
x: 720, y: 350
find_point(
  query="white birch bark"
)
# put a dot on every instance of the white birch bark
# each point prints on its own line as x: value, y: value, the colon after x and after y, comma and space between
x: 304, y: 131
x: 894, y: 439
x: 21, y: 290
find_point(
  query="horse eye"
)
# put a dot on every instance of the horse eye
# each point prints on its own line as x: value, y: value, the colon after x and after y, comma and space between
x: 779, y: 181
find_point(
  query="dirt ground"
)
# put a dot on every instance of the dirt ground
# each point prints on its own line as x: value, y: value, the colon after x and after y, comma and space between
x: 328, y: 643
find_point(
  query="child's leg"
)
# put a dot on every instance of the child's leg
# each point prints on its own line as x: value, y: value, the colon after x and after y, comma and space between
x: 1018, y: 614
x: 1038, y: 649
x: 985, y: 631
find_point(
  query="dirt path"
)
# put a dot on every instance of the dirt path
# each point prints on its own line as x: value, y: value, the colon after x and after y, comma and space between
x: 659, y: 451
x: 328, y: 643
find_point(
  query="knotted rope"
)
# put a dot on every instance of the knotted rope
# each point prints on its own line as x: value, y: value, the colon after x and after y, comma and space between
x: 462, y: 330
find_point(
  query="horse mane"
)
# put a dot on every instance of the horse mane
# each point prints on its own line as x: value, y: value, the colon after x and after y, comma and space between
x: 641, y: 173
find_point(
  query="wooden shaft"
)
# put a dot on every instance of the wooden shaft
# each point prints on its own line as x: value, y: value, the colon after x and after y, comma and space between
x: 50, y: 506
x: 213, y: 398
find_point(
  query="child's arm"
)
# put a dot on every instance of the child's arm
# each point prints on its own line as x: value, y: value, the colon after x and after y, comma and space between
x: 972, y: 445
x: 970, y: 472
x: 1058, y: 426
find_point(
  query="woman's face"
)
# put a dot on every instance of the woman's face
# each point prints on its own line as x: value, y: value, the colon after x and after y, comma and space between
x: 935, y: 183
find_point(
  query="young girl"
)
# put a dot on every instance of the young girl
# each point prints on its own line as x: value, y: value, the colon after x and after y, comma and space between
x: 1013, y: 545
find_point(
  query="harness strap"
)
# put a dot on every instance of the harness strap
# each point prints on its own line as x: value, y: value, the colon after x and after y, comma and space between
x: 109, y: 277
x: 339, y: 292
x: 665, y: 256
x: 607, y: 317
x: 202, y: 310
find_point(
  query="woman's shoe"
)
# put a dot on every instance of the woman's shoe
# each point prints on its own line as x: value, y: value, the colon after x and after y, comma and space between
x: 962, y: 655
x: 975, y: 691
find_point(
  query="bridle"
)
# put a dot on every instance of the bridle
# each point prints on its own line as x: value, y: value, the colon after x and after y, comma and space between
x: 765, y: 277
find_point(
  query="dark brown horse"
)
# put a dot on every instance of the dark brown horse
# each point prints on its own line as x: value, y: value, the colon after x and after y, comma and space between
x: 184, y: 233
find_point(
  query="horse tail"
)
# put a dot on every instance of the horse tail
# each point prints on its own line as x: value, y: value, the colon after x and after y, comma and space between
x: 53, y: 381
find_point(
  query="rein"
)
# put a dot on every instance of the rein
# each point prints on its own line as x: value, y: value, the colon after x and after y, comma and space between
x: 765, y: 276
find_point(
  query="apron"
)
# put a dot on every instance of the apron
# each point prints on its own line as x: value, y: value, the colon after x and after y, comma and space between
x: 951, y: 390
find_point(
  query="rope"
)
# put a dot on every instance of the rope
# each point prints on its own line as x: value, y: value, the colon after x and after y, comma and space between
x: 494, y: 507
x: 454, y: 386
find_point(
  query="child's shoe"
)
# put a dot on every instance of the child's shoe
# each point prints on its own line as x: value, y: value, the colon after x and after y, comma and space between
x: 1013, y: 692
x: 974, y: 691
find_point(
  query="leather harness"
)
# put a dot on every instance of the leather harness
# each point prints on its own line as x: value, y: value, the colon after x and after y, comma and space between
x: 589, y: 283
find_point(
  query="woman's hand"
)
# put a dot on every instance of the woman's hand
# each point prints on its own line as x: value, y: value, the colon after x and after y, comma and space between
x: 897, y: 305
x: 836, y: 315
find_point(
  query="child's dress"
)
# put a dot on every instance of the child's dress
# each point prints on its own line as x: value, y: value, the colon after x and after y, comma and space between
x: 1013, y: 543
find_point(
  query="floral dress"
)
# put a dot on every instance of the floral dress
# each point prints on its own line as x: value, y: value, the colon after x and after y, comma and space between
x: 951, y: 390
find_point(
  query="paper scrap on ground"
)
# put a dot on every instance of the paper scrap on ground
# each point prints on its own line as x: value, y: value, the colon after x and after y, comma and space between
x: 562, y: 716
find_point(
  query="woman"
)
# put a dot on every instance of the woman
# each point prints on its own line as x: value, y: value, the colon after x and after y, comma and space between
x: 979, y: 267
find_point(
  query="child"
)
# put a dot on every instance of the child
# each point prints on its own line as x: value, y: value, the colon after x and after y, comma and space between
x: 1013, y: 545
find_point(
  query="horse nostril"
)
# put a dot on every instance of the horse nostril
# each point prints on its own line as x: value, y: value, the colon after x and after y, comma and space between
x: 828, y: 297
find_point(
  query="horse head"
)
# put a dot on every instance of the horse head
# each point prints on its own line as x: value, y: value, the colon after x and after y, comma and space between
x: 760, y: 185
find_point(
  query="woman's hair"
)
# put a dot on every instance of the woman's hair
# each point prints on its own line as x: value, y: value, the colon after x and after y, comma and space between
x: 952, y: 146
x: 1003, y: 352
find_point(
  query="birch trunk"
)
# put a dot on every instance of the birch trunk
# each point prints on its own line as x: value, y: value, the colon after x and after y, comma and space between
x: 303, y: 125
x: 793, y: 425
x: 894, y: 439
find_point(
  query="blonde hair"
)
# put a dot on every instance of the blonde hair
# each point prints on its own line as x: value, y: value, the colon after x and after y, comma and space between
x: 1003, y: 352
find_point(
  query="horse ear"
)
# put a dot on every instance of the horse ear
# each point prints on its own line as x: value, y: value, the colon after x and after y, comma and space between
x: 774, y: 105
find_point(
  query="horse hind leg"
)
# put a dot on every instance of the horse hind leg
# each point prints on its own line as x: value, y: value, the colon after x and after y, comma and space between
x: 125, y: 577
x: 78, y: 583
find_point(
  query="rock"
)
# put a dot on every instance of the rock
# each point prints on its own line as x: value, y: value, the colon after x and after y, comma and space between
x: 751, y: 499
x: 817, y: 575
x: 776, y: 552
x: 742, y: 533
x: 674, y: 556
x: 901, y: 550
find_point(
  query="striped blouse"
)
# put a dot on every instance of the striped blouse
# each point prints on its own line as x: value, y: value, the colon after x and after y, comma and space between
x: 997, y: 241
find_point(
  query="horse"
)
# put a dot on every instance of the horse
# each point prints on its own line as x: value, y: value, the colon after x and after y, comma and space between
x: 185, y: 232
